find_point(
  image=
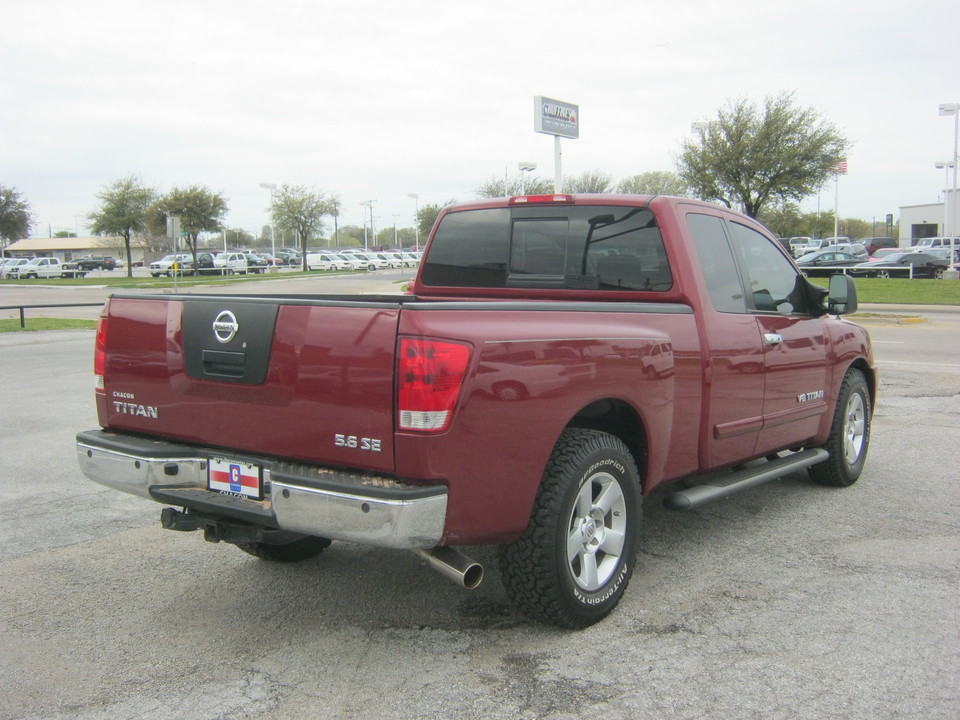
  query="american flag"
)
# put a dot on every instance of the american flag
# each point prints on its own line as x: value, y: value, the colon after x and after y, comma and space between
x: 840, y: 168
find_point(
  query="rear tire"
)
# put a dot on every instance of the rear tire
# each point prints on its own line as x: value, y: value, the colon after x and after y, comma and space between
x: 849, y: 434
x: 572, y: 564
x: 302, y: 549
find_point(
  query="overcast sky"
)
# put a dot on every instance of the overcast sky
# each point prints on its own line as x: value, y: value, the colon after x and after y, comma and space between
x: 375, y: 100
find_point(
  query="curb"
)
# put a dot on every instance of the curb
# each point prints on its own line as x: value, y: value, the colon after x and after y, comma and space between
x: 886, y: 319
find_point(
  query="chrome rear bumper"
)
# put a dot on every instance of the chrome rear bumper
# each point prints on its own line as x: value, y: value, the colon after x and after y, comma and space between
x: 310, y: 500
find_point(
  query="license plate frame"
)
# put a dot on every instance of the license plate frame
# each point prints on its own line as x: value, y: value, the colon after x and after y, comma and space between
x: 235, y: 477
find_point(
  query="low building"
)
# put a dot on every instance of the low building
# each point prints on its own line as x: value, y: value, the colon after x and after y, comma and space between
x: 930, y: 220
x: 68, y: 248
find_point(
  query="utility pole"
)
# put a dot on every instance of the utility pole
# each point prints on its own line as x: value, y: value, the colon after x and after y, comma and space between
x: 369, y: 204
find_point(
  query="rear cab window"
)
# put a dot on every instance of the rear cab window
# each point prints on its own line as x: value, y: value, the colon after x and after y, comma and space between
x: 603, y: 247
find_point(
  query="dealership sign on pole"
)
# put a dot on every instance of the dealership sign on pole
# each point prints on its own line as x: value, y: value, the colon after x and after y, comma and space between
x: 560, y: 119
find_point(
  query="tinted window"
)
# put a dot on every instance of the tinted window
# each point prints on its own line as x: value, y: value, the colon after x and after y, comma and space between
x: 775, y: 285
x: 539, y: 247
x: 601, y: 247
x: 716, y: 260
x: 621, y: 248
x: 470, y: 250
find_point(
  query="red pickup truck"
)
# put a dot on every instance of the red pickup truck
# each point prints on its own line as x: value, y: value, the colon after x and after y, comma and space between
x: 557, y: 358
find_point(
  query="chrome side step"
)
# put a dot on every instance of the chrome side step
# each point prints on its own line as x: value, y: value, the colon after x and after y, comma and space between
x: 728, y: 483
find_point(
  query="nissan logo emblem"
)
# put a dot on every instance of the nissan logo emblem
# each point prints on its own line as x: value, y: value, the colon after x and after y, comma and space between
x: 225, y: 326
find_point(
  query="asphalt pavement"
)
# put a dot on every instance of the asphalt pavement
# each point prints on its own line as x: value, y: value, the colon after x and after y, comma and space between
x: 787, y: 601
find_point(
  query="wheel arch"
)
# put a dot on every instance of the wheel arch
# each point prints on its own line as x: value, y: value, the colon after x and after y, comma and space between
x: 869, y: 374
x: 620, y: 419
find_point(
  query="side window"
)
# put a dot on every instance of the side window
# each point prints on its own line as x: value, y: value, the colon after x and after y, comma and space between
x: 716, y: 259
x: 582, y: 247
x: 538, y: 247
x: 775, y: 284
x: 470, y: 250
x: 623, y: 249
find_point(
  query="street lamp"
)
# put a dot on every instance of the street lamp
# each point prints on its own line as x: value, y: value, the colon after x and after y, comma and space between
x: 953, y: 109
x: 416, y: 215
x: 524, y: 168
x: 273, y: 232
x: 945, y: 165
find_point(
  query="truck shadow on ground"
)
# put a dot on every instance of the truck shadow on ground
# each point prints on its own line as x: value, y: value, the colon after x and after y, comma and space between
x: 368, y: 587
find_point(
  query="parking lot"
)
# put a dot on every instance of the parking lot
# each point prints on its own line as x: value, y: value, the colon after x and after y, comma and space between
x: 787, y: 601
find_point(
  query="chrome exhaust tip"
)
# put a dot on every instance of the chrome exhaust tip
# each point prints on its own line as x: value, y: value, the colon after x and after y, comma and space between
x: 453, y: 565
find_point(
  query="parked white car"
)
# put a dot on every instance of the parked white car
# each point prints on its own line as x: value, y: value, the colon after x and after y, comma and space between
x: 326, y: 261
x: 44, y: 267
x: 351, y: 261
x: 937, y: 242
x: 394, y: 259
x: 164, y: 266
x: 371, y: 261
x: 231, y: 263
x: 10, y: 265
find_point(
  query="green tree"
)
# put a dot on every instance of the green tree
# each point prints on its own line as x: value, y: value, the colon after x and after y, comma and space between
x: 301, y: 210
x: 856, y: 228
x: 238, y: 238
x: 518, y: 184
x: 817, y: 225
x: 589, y: 182
x: 123, y: 211
x: 655, y: 182
x: 15, y: 216
x: 351, y: 236
x: 427, y: 216
x: 784, y: 220
x: 750, y: 156
x: 200, y: 211
x: 335, y: 205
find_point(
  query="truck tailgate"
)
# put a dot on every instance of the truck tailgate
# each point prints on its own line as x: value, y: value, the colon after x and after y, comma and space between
x: 308, y: 379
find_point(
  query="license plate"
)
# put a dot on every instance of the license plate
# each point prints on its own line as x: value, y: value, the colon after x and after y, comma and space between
x: 235, y: 477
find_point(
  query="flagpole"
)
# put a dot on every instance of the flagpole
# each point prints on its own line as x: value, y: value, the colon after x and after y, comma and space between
x: 836, y: 207
x: 839, y: 169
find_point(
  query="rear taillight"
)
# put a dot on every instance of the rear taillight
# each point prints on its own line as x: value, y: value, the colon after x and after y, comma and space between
x: 429, y: 376
x: 100, y: 354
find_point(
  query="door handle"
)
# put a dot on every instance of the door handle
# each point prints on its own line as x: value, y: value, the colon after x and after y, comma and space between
x: 772, y: 338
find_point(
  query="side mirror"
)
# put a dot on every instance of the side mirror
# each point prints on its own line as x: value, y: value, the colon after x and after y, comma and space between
x: 842, y: 297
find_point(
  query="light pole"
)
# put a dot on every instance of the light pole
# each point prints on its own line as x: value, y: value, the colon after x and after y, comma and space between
x: 945, y: 165
x: 416, y: 215
x: 525, y: 167
x: 273, y: 232
x: 953, y: 109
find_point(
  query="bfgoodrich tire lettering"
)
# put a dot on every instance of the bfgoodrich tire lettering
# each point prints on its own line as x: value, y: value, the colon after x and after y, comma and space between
x: 572, y: 564
x: 849, y: 435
